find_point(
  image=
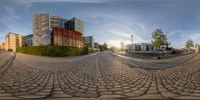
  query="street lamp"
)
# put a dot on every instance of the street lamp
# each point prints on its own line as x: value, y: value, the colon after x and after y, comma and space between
x: 131, y: 43
x: 131, y: 39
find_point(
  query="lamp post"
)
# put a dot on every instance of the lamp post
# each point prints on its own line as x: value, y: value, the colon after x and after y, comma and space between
x: 131, y: 39
x: 131, y: 43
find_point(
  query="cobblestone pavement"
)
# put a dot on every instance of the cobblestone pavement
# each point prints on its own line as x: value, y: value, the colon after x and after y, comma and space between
x: 99, y: 76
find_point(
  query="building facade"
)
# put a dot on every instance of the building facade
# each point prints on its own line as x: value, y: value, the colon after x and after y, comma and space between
x: 41, y: 29
x: 13, y: 41
x: 89, y: 40
x: 75, y: 24
x: 28, y: 40
x: 2, y: 46
x: 43, y: 25
x: 66, y: 37
x: 146, y: 47
x: 57, y: 21
x: 139, y: 47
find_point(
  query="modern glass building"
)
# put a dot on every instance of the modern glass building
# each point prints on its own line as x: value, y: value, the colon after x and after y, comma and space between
x: 44, y: 23
x: 57, y: 21
x: 28, y: 40
x: 139, y: 47
x: 75, y: 24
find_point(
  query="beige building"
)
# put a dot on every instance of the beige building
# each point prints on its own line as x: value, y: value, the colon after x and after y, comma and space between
x: 2, y: 46
x: 13, y: 41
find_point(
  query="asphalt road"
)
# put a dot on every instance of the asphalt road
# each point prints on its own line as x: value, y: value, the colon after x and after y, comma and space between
x: 100, y: 76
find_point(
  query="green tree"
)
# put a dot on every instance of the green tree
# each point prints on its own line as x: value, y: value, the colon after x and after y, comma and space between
x: 103, y: 47
x: 189, y: 43
x: 159, y: 39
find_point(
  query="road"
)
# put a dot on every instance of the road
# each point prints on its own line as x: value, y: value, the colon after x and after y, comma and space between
x: 100, y: 76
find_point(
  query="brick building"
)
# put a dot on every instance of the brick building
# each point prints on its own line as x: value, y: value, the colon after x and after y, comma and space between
x: 67, y: 37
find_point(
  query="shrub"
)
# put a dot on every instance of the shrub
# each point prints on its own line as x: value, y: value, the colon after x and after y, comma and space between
x: 52, y: 50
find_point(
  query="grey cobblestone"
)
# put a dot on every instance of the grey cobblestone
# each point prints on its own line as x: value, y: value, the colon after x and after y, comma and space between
x: 102, y: 75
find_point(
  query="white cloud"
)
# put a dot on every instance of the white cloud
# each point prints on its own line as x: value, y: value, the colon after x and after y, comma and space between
x: 114, y: 30
x: 182, y: 36
x: 10, y: 20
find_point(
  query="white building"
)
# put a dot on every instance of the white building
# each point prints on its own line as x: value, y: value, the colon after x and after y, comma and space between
x: 139, y: 47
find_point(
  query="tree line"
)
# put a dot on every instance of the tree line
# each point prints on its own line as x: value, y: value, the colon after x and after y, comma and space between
x: 160, y: 39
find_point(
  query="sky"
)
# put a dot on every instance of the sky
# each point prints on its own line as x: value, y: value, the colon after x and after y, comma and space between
x: 110, y: 21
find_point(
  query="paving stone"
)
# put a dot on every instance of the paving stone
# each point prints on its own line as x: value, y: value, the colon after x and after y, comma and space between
x: 111, y: 96
x: 106, y: 93
x: 169, y: 94
x: 101, y: 76
x: 31, y: 96
x: 151, y: 96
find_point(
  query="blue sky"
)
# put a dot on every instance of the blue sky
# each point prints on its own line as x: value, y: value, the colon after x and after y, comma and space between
x: 110, y: 21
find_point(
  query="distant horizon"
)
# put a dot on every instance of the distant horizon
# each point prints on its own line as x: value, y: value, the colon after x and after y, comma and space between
x: 110, y: 21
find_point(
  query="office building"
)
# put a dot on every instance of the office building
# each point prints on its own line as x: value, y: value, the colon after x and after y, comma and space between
x: 89, y: 40
x: 13, y: 41
x: 28, y: 40
x: 146, y: 47
x: 133, y: 47
x: 66, y: 37
x: 139, y: 47
x: 75, y: 24
x: 41, y: 29
x: 43, y: 24
x: 57, y: 21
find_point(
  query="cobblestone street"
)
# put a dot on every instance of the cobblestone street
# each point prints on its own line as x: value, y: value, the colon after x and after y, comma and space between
x: 103, y: 75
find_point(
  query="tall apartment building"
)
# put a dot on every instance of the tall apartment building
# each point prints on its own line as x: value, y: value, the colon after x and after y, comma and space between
x: 43, y: 24
x: 13, y: 41
x: 75, y: 24
x: 41, y: 29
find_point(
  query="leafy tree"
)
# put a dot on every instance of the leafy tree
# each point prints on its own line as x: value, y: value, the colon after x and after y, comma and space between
x: 89, y: 45
x: 159, y: 39
x: 189, y: 43
x: 103, y: 47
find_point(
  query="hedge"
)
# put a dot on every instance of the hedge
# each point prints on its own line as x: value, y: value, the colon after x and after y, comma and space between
x: 53, y: 50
